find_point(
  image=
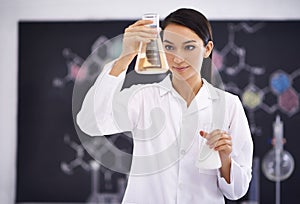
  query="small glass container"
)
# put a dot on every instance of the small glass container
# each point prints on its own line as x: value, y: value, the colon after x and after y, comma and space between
x: 151, y: 57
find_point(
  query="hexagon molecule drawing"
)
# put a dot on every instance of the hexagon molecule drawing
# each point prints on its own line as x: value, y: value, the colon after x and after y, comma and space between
x: 253, y: 97
x: 95, y: 168
x: 87, y: 70
x: 73, y: 62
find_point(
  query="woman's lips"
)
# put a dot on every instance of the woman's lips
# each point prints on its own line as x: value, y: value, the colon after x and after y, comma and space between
x: 180, y: 69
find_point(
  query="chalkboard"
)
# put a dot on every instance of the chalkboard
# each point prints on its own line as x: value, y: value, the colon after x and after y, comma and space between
x: 257, y: 60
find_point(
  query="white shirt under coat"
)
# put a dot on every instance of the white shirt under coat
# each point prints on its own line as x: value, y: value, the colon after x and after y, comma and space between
x: 107, y: 110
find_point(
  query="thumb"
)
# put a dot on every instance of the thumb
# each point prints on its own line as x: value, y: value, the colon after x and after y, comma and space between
x: 203, y: 133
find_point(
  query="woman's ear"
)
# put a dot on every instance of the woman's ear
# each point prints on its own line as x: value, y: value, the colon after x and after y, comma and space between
x: 208, y: 49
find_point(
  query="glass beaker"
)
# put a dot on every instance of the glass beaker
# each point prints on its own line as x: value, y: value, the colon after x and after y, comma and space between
x: 208, y: 158
x: 151, y: 57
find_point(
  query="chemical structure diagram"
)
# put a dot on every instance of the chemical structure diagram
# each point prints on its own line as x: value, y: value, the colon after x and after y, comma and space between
x: 80, y: 70
x: 95, y: 168
x: 74, y: 63
x: 253, y: 97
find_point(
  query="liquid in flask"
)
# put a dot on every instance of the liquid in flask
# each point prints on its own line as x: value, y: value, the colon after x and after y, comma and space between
x: 151, y: 57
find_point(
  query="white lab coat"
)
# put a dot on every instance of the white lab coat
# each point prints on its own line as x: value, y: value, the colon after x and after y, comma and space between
x: 166, y: 138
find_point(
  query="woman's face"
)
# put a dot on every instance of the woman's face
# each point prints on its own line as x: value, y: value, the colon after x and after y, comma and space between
x: 185, y: 51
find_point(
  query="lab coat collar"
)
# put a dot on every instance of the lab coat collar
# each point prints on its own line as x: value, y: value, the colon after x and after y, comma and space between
x: 211, y: 90
x: 204, y: 97
x: 165, y: 85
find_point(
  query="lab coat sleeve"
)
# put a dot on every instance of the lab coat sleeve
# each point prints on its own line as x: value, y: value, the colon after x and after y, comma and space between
x: 242, y: 153
x: 106, y: 109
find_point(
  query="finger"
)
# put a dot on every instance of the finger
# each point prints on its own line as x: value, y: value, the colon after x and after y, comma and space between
x: 141, y: 22
x: 138, y: 39
x: 140, y: 34
x: 224, y: 147
x: 143, y: 39
x: 203, y: 134
x: 213, y: 137
x: 223, y: 142
x: 209, y: 136
x: 214, y: 133
x: 138, y: 30
x: 218, y: 139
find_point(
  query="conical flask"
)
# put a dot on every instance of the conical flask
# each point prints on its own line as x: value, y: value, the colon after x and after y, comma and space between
x: 151, y: 57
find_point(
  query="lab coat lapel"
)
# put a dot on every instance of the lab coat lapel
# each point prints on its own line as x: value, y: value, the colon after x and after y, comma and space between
x: 218, y: 106
x: 165, y: 85
x: 205, y: 97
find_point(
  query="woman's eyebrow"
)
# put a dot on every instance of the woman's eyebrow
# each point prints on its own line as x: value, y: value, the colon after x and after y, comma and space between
x: 189, y: 41
x: 167, y: 41
x: 186, y: 42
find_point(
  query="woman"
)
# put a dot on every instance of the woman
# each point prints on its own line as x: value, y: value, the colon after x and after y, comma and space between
x: 170, y: 119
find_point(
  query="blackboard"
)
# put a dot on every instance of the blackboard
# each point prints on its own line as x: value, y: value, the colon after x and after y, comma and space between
x: 50, y: 54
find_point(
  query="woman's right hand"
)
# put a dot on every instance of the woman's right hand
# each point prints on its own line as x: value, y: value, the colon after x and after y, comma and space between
x: 133, y: 36
x: 136, y: 33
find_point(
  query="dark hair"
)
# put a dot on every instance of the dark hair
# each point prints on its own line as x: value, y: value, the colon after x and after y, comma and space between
x: 192, y: 19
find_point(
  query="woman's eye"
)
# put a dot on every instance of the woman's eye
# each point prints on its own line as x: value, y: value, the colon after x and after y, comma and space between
x: 189, y: 47
x: 169, y: 47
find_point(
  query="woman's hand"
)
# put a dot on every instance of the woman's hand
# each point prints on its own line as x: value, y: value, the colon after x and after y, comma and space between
x: 133, y: 36
x: 219, y: 141
x: 222, y: 142
x: 136, y: 33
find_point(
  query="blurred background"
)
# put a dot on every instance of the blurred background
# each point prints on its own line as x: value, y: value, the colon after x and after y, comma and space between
x: 44, y: 44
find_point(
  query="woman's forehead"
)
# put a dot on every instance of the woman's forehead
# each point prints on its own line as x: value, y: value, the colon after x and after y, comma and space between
x: 175, y: 38
x: 179, y: 34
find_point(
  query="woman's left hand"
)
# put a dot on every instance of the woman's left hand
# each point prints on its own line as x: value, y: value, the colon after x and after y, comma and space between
x: 219, y: 141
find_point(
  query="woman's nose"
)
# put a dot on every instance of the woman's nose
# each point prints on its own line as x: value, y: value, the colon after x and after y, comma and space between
x: 178, y: 59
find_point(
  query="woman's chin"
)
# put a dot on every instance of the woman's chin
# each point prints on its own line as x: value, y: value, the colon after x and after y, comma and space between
x: 184, y: 73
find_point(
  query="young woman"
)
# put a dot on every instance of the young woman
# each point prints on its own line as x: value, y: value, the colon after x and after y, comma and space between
x: 171, y: 119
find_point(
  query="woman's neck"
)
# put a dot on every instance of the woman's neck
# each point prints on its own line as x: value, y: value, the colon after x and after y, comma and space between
x: 188, y: 88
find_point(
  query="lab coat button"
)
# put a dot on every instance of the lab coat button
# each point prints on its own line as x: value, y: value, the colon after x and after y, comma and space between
x: 182, y: 152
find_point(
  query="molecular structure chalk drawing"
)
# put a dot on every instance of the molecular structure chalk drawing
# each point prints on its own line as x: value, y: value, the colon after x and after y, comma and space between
x: 87, y: 70
x: 95, y: 168
x: 280, y: 82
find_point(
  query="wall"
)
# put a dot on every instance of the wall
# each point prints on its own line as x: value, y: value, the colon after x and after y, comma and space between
x: 16, y: 10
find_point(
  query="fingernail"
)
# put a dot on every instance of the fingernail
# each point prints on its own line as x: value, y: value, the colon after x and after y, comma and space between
x: 201, y: 133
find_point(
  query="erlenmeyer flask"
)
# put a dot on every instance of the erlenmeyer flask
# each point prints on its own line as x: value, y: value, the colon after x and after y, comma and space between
x: 151, y: 57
